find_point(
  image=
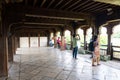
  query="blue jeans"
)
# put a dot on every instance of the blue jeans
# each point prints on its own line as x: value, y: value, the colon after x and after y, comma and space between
x: 75, y: 50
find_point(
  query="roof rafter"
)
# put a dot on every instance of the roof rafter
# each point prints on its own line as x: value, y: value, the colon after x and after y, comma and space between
x: 50, y: 3
x: 43, y: 2
x: 66, y: 4
x: 88, y: 8
x: 102, y: 8
x: 58, y: 3
x: 80, y: 5
x: 34, y: 3
x: 73, y: 4
x: 85, y: 6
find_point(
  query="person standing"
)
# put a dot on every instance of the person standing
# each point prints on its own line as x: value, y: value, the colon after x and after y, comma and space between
x: 96, y: 53
x: 76, y: 38
x: 58, y: 42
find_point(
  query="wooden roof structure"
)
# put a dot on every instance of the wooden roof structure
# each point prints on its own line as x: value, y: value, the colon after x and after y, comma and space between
x: 56, y: 14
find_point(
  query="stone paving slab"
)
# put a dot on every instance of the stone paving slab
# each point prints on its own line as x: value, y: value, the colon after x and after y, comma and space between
x: 48, y: 63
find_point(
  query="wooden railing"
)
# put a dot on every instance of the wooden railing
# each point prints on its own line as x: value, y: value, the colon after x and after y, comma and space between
x: 103, y: 51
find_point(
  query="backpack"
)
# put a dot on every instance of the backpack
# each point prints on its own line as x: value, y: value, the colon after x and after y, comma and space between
x: 91, y: 46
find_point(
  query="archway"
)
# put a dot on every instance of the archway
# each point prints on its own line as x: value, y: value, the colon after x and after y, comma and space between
x: 67, y: 40
x: 68, y: 36
x: 115, y: 41
x: 103, y: 38
x: 80, y: 32
x: 89, y: 34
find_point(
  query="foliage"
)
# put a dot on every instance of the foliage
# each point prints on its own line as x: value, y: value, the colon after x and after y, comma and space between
x: 103, y: 40
x: 68, y: 39
x: 116, y: 35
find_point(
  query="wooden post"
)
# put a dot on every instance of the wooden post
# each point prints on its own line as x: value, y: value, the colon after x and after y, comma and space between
x: 55, y: 40
x: 109, y: 32
x: 10, y: 49
x: 39, y: 40
x: 29, y: 40
x: 85, y: 44
x: 3, y: 43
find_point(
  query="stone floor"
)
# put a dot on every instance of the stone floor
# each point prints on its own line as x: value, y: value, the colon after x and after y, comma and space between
x: 54, y: 64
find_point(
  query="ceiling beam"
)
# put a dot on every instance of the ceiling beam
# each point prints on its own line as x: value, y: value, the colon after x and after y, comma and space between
x: 91, y: 7
x: 30, y: 30
x: 53, y: 17
x: 58, y: 3
x: 83, y: 3
x: 50, y: 3
x: 65, y: 4
x: 34, y: 3
x: 43, y: 2
x: 103, y: 8
x: 32, y: 23
x: 114, y: 2
x: 83, y: 7
x: 95, y: 8
x: 54, y: 14
x: 48, y: 13
x: 45, y: 20
x: 73, y: 4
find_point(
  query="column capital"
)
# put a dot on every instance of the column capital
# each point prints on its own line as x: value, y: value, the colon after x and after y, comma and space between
x: 109, y: 29
x: 85, y: 31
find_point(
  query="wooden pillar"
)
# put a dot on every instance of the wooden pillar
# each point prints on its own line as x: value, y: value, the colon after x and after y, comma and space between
x: 48, y: 38
x: 16, y: 44
x: 85, y: 43
x: 13, y: 44
x: 10, y: 49
x: 18, y: 40
x: 3, y: 43
x: 29, y: 40
x: 39, y: 40
x: 109, y: 32
x: 3, y: 56
x: 71, y: 41
x: 55, y: 40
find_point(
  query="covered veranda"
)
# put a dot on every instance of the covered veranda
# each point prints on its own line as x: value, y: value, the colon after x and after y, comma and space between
x: 38, y: 21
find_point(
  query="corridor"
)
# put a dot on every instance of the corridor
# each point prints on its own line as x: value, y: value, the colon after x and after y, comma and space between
x: 47, y: 63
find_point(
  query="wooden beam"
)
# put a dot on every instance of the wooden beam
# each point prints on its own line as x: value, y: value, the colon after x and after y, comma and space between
x: 32, y: 23
x: 34, y: 3
x: 43, y: 2
x: 114, y: 2
x: 73, y: 4
x: 102, y: 8
x: 50, y: 3
x: 80, y: 5
x: 47, y: 13
x: 30, y: 28
x: 53, y: 17
x: 58, y: 3
x: 85, y: 6
x: 55, y: 14
x: 91, y: 7
x: 46, y: 20
x: 66, y: 4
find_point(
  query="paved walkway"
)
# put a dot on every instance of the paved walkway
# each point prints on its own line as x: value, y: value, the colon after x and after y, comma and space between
x: 53, y: 64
